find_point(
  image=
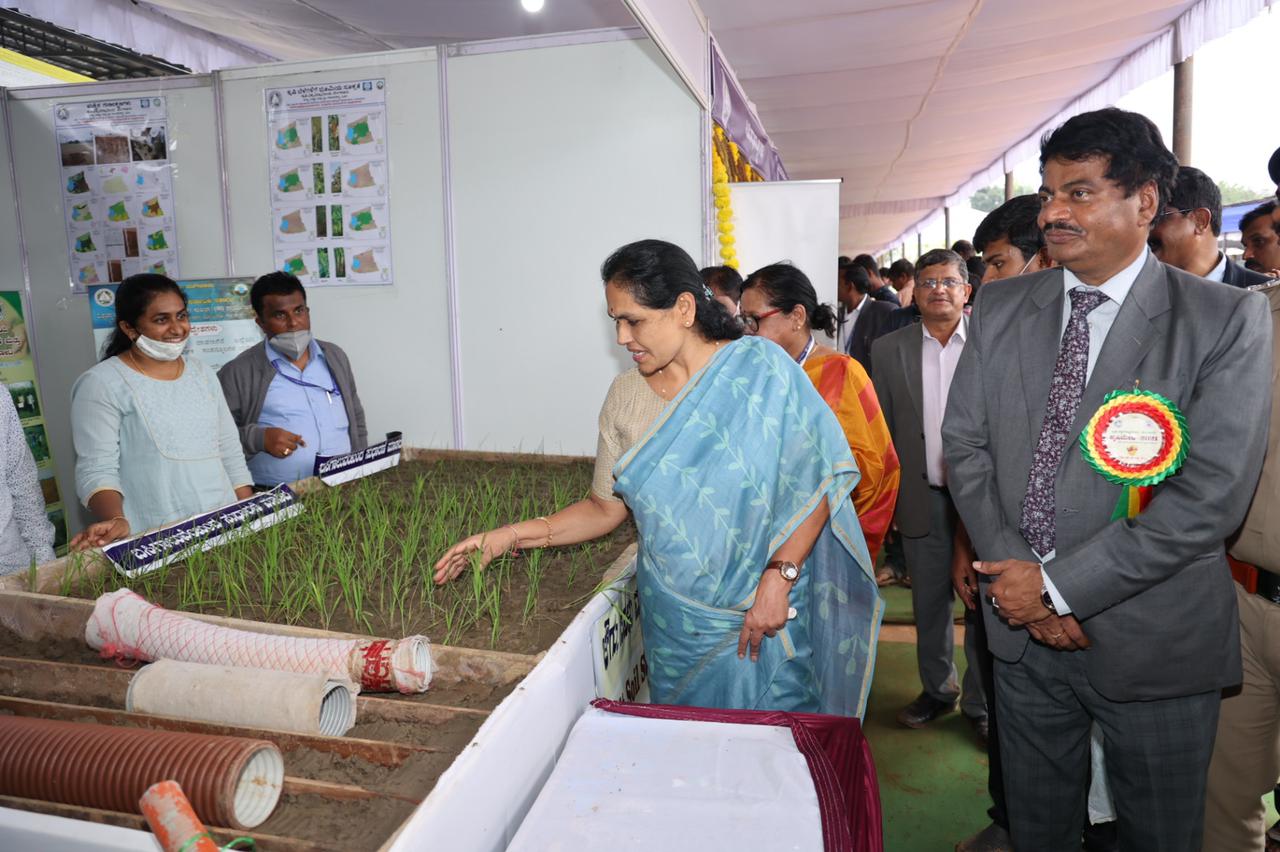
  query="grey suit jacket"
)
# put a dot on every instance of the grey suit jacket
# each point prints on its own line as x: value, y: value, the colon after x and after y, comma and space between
x: 898, y: 387
x: 1154, y: 594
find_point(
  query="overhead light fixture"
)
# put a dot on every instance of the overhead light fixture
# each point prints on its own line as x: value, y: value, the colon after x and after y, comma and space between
x: 532, y: 6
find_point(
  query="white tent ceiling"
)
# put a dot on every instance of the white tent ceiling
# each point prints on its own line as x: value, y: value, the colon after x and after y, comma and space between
x: 914, y: 103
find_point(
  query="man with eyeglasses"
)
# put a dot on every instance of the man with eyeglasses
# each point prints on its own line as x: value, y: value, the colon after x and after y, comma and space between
x: 292, y: 397
x: 914, y: 366
x: 1186, y: 232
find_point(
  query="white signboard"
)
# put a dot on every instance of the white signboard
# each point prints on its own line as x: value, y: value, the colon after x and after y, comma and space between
x: 330, y: 220
x: 117, y: 189
x: 793, y: 220
x: 621, y: 670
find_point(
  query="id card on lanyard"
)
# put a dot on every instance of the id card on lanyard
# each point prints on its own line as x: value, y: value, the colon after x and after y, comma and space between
x: 329, y: 392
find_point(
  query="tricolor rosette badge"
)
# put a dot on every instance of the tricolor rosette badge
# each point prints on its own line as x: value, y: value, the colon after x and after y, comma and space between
x: 1137, y: 439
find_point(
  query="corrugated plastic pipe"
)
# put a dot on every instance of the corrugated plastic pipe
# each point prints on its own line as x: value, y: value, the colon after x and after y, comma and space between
x: 230, y: 781
x: 252, y: 698
x: 124, y: 625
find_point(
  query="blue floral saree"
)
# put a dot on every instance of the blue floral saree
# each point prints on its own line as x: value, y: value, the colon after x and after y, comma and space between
x: 729, y: 470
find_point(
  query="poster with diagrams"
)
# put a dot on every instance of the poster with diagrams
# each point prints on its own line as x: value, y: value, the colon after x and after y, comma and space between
x: 330, y: 217
x: 117, y: 189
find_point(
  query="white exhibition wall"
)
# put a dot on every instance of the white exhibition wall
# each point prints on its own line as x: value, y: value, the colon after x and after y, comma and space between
x: 597, y: 147
x: 797, y: 221
x: 559, y: 153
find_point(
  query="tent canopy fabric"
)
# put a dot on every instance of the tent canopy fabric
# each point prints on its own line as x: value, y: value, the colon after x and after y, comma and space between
x: 914, y: 104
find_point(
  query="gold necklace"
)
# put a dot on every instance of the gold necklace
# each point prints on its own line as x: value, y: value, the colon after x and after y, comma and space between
x: 662, y: 393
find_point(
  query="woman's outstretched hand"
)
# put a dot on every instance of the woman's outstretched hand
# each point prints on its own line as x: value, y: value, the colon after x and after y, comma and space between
x: 490, y: 545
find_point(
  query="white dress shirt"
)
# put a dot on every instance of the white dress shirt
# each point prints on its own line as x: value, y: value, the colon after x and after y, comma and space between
x: 1116, y: 288
x: 938, y: 367
x: 1219, y: 272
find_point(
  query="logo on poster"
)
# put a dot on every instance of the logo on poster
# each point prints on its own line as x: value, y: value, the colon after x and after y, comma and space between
x: 105, y: 298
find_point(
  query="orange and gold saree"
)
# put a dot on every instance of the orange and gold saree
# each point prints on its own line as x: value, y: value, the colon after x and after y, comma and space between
x: 845, y: 386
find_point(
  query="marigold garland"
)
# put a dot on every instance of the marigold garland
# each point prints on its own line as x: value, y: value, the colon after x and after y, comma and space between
x: 720, y: 197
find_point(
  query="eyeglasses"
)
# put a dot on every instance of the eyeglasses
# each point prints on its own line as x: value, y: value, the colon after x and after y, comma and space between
x: 752, y: 324
x: 949, y: 283
x: 1171, y: 212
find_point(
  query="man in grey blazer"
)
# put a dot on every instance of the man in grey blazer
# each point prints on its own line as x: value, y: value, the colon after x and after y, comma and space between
x: 914, y: 366
x: 1131, y: 622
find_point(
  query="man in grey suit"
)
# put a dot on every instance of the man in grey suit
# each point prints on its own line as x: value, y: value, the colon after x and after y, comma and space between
x: 1148, y: 595
x: 914, y: 366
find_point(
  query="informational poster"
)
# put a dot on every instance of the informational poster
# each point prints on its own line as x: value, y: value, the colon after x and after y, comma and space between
x: 18, y: 372
x: 117, y: 189
x: 222, y: 318
x: 330, y: 220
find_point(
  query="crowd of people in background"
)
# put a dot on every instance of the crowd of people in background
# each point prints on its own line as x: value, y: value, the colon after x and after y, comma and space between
x: 1124, y: 687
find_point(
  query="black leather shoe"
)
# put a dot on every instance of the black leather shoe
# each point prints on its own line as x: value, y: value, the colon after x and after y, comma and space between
x: 923, y: 710
x: 980, y: 729
x: 993, y: 838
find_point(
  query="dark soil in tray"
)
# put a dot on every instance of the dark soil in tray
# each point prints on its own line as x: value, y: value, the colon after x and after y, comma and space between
x: 360, y: 559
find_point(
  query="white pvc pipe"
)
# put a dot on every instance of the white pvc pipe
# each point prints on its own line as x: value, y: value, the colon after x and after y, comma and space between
x: 249, y: 698
x: 125, y: 626
x: 259, y: 787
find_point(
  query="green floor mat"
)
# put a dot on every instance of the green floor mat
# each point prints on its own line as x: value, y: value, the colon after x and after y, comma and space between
x: 933, y: 781
x: 897, y: 606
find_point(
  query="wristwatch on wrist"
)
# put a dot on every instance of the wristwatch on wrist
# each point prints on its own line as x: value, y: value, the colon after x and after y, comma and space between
x: 1047, y: 600
x: 790, y: 571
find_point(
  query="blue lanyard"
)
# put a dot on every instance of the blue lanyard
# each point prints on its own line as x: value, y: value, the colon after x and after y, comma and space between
x: 804, y: 356
x: 301, y: 383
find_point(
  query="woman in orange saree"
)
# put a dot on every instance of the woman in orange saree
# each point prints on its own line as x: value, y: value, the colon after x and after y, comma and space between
x: 779, y: 303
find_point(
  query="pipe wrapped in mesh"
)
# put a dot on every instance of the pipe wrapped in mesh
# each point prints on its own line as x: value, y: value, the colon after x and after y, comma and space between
x: 125, y: 626
x: 230, y: 781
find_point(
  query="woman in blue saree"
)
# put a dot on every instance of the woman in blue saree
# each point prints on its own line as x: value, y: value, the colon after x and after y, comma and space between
x: 756, y: 588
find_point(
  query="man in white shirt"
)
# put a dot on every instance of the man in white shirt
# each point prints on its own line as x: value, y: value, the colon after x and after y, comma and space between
x: 914, y: 366
x: 1186, y: 233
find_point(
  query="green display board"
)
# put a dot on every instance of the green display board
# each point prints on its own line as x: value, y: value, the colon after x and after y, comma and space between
x: 18, y: 372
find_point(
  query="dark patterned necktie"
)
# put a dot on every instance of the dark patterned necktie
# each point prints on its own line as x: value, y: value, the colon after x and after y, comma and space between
x: 1040, y: 502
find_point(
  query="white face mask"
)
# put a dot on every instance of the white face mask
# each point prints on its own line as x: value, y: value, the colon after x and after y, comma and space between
x: 160, y: 350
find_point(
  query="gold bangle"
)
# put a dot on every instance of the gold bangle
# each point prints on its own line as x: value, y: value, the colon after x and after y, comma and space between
x: 550, y: 537
x: 117, y: 518
x: 515, y: 542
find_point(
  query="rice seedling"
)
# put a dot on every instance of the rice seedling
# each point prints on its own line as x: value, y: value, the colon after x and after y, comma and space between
x: 361, y: 558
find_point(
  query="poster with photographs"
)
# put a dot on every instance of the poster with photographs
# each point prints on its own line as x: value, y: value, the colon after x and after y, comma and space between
x: 18, y: 372
x: 330, y: 217
x: 117, y: 189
